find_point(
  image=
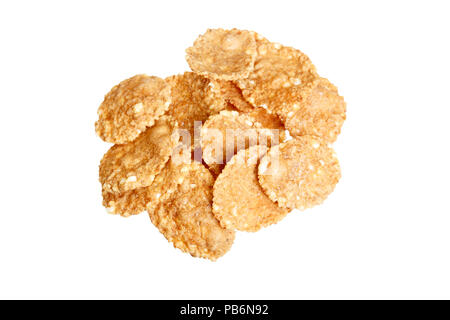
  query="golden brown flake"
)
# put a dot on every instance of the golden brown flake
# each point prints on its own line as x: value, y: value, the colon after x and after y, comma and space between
x: 221, y: 126
x: 321, y: 114
x: 299, y: 173
x: 224, y: 134
x: 135, y: 201
x: 185, y: 217
x: 127, y: 203
x: 129, y: 166
x: 232, y: 94
x: 269, y: 121
x: 223, y: 54
x: 215, y: 169
x: 239, y: 201
x: 130, y: 107
x: 280, y: 78
x: 193, y: 100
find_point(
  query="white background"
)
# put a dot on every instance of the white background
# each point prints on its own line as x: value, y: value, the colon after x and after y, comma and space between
x: 383, y: 233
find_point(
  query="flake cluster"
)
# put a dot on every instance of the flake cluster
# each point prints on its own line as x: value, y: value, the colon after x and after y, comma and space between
x: 236, y: 144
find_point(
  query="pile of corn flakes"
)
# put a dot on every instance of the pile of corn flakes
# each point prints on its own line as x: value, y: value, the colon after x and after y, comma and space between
x: 236, y: 144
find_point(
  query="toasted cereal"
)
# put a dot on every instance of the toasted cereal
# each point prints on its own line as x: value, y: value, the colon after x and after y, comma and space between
x: 321, y: 114
x: 226, y: 133
x: 232, y: 94
x: 215, y: 169
x: 280, y: 78
x: 239, y: 201
x: 166, y: 183
x: 130, y: 107
x: 221, y: 127
x: 269, y: 121
x: 126, y: 203
x: 223, y: 54
x: 185, y: 216
x: 135, y: 164
x: 193, y: 100
x: 299, y: 173
x: 135, y: 201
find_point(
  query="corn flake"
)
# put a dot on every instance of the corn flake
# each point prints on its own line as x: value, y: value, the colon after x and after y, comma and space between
x: 239, y: 201
x: 130, y: 107
x: 185, y: 216
x: 135, y: 164
x: 299, y: 173
x: 223, y: 54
